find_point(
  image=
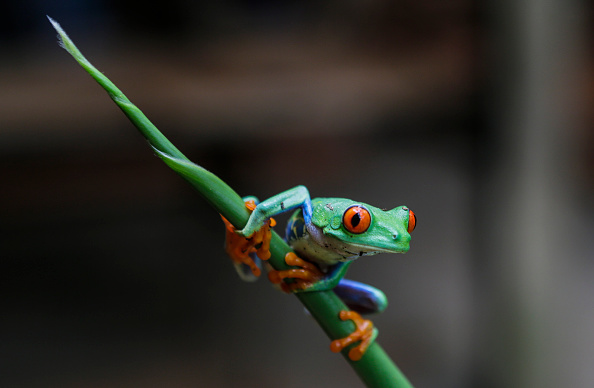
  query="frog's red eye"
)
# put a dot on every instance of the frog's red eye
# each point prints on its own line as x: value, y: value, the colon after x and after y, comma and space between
x: 356, y: 219
x: 412, y: 221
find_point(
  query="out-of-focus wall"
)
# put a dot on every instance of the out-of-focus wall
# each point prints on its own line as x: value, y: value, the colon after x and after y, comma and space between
x: 112, y: 270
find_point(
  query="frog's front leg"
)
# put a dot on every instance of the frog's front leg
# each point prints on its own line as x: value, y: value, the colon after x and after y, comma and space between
x: 280, y: 203
x: 307, y: 277
x: 254, y: 239
x: 243, y: 250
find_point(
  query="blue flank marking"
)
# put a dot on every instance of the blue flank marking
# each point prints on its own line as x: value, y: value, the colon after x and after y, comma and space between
x: 307, y: 210
x: 296, y: 225
x: 295, y: 228
x: 361, y: 297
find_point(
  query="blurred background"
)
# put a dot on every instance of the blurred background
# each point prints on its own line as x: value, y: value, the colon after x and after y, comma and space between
x: 477, y: 115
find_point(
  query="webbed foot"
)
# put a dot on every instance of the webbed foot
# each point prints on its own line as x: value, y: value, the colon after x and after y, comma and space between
x: 303, y: 277
x: 240, y: 248
x: 364, y: 332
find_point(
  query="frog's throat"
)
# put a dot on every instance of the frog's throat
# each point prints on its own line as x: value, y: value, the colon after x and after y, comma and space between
x: 340, y: 250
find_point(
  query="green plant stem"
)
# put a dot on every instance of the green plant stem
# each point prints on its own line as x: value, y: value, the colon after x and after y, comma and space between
x: 376, y: 369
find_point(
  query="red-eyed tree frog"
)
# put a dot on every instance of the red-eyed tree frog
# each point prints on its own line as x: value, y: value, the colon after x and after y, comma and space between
x: 327, y: 234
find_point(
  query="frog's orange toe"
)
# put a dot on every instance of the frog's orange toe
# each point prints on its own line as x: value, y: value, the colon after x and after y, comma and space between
x: 363, y: 333
x: 301, y: 277
x: 239, y: 248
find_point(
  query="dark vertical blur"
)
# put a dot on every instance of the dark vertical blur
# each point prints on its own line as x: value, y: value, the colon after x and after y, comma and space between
x: 534, y: 204
x: 477, y: 116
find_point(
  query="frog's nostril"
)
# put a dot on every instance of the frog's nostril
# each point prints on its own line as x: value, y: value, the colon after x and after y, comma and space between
x: 395, y: 236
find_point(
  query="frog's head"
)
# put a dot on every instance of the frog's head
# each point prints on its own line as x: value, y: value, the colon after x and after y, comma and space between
x: 364, y: 229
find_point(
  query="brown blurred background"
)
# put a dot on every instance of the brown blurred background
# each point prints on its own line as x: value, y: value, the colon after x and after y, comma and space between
x: 477, y: 115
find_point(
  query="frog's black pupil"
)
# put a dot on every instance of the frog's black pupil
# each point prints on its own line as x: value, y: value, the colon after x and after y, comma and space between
x: 356, y: 219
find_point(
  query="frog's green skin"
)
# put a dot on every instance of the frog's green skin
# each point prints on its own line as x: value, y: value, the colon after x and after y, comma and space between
x: 317, y: 234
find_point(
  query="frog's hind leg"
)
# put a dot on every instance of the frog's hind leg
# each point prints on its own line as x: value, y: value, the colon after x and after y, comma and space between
x: 361, y: 297
x: 364, y: 334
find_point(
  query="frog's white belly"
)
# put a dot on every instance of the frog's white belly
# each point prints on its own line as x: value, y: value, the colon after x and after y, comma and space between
x: 326, y: 250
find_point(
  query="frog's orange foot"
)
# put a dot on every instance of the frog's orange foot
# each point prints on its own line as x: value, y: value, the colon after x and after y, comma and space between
x: 302, y: 277
x: 364, y: 333
x: 239, y: 248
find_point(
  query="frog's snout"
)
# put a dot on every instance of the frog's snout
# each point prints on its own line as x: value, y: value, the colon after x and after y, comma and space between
x: 401, y: 242
x: 405, y: 237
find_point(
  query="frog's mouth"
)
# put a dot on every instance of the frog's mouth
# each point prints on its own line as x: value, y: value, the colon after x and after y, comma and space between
x: 346, y: 251
x: 368, y: 250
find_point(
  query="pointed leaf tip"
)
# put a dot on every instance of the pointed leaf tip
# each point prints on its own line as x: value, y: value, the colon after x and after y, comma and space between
x: 62, y: 36
x: 55, y: 24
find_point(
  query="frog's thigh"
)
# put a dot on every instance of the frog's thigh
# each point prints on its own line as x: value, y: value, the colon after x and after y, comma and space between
x: 361, y: 297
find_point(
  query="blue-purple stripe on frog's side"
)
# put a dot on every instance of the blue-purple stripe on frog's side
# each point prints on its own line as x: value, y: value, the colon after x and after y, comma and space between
x: 295, y: 227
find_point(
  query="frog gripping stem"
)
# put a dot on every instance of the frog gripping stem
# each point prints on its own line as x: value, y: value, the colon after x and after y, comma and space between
x: 364, y: 332
x: 304, y: 276
x: 375, y: 368
x: 241, y: 248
